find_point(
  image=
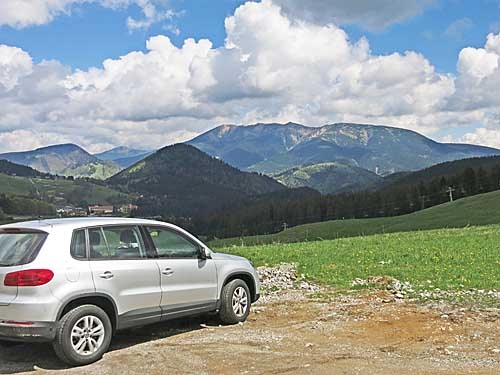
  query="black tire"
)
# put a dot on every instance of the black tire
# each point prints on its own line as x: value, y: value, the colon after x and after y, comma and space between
x: 227, y: 314
x: 63, y: 342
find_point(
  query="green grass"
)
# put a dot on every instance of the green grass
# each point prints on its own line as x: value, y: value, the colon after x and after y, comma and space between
x: 15, y: 185
x: 75, y: 191
x: 449, y: 259
x: 480, y: 209
x: 70, y: 191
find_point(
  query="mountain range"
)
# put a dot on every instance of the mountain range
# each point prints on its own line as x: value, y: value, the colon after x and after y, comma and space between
x: 72, y: 160
x: 123, y: 156
x: 330, y: 159
x: 288, y: 152
x: 65, y: 159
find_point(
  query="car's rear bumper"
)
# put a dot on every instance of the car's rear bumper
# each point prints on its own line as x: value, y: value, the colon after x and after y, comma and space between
x: 27, y: 331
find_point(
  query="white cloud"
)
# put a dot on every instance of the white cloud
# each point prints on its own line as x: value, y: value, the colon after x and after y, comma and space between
x: 480, y: 77
x: 271, y: 69
x: 371, y: 15
x: 14, y: 64
x: 23, y: 13
x: 458, y: 28
x: 159, y: 84
x: 152, y: 15
x: 482, y: 136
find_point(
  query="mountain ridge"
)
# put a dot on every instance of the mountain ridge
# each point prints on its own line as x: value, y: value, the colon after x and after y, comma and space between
x: 66, y: 159
x: 123, y: 156
x: 274, y: 149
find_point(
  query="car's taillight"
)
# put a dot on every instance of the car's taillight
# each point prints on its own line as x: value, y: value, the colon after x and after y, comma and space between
x: 28, y: 278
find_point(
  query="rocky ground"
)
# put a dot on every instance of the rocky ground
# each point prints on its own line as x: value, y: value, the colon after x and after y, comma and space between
x: 301, y: 328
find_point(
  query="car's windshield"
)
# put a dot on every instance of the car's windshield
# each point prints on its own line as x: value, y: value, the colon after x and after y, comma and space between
x: 19, y: 247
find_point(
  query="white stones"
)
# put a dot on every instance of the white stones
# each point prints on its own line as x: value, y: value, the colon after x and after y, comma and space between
x: 284, y: 277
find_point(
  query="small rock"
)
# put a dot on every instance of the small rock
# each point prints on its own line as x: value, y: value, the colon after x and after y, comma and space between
x: 476, y: 335
x: 309, y: 345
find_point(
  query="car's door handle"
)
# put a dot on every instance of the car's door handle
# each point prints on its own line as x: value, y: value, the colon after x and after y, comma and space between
x: 167, y: 271
x: 106, y: 275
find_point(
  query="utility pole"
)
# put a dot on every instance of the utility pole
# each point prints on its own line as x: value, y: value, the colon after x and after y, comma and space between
x: 424, y: 198
x: 450, y: 192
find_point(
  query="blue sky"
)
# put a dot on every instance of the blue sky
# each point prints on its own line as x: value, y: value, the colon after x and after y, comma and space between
x: 432, y: 66
x: 92, y: 33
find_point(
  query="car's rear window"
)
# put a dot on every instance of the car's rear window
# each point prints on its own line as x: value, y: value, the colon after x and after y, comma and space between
x: 19, y: 246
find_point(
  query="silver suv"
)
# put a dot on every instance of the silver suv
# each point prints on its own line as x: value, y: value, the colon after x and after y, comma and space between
x: 75, y: 282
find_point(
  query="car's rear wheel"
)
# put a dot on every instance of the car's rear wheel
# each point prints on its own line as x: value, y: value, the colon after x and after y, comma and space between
x: 83, y: 335
x: 235, y: 302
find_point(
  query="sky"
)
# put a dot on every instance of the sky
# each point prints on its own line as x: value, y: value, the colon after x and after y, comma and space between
x: 147, y: 73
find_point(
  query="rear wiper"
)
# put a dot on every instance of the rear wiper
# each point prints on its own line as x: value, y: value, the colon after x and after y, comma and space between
x: 7, y: 264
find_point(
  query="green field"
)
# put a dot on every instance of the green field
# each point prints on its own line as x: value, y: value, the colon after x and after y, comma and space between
x: 448, y: 259
x: 15, y: 185
x: 61, y: 191
x: 480, y: 209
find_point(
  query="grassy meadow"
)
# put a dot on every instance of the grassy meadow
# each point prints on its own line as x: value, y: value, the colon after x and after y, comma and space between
x: 71, y: 191
x: 449, y: 259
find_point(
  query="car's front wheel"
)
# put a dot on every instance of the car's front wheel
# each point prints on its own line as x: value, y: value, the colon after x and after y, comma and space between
x: 235, y: 302
x: 83, y: 335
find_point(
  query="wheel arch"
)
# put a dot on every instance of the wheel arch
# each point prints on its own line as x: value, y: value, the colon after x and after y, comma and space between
x: 247, y: 278
x: 100, y: 300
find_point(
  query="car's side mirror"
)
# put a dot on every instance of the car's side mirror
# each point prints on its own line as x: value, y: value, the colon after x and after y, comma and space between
x: 204, y: 253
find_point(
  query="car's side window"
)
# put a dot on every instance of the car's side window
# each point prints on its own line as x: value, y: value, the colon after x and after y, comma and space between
x: 169, y: 244
x: 116, y: 242
x: 78, y: 245
x: 97, y: 244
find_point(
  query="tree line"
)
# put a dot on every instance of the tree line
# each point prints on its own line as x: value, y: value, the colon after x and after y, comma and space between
x: 273, y: 213
x: 18, y: 205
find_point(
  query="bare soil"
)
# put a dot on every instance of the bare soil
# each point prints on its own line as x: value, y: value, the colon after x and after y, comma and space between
x: 292, y: 332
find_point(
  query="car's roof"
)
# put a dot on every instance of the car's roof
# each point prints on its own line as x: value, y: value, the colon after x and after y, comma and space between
x: 48, y: 225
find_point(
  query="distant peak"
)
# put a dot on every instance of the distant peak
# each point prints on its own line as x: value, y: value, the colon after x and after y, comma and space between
x: 62, y: 146
x: 224, y: 129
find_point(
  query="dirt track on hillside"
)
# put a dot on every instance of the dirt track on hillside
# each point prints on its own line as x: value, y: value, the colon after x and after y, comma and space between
x: 292, y: 333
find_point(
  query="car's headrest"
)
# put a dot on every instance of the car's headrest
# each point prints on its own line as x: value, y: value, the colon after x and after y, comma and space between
x: 127, y: 236
x: 94, y: 238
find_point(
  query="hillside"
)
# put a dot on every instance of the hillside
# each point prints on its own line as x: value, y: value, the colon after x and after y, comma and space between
x: 329, y: 178
x: 275, y: 148
x: 482, y: 209
x: 65, y: 159
x: 12, y: 169
x: 123, y: 156
x: 61, y: 191
x: 442, y: 170
x: 182, y: 180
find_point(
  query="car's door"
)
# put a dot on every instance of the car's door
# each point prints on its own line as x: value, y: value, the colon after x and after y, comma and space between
x: 122, y: 269
x: 188, y: 283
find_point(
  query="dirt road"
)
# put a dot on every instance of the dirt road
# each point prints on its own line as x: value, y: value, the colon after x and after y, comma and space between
x: 292, y: 333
